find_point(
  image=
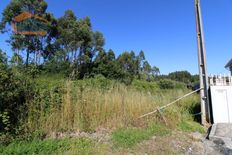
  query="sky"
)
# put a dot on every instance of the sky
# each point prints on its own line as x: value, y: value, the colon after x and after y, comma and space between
x: 164, y: 29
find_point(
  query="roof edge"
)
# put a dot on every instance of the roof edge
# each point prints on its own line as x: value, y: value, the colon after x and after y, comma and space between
x: 229, y: 64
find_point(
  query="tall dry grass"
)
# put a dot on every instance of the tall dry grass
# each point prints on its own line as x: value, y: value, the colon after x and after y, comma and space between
x: 81, y: 107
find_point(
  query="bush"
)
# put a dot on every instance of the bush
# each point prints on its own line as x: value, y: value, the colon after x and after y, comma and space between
x: 15, y: 89
x: 144, y: 85
x: 166, y: 84
x: 99, y: 81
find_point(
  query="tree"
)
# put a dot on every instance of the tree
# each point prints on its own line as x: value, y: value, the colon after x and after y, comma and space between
x: 3, y: 58
x: 16, y: 60
x: 147, y: 70
x: 66, y: 35
x: 16, y: 7
x: 78, y: 43
x: 16, y: 42
x: 181, y: 76
x: 141, y: 59
x: 91, y: 44
x: 155, y: 71
x: 70, y: 46
x: 126, y: 62
x: 106, y: 65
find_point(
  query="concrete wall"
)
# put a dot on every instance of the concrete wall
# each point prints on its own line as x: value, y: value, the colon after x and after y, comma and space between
x: 221, y: 103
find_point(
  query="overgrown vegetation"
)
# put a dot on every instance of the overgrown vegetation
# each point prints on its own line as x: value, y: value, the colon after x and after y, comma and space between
x: 73, y: 84
x: 51, y: 146
x: 93, y: 103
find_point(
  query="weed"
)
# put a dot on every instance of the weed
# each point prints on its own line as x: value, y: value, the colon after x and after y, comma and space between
x: 90, y: 104
x: 190, y: 126
x: 62, y: 146
x: 128, y: 137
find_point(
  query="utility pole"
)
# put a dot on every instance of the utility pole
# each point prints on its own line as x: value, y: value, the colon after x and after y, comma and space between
x: 205, y: 110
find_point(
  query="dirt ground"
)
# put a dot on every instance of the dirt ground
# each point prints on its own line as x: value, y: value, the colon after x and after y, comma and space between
x: 176, y: 143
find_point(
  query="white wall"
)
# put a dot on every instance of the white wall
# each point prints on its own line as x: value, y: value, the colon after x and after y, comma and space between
x: 221, y: 97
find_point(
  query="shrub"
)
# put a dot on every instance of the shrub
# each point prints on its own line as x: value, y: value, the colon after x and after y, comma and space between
x: 144, y: 86
x: 15, y: 89
x: 166, y: 84
x: 99, y: 81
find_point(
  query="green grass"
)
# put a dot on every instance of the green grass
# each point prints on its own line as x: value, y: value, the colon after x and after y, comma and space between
x: 129, y: 137
x: 39, y: 147
x: 49, y: 81
x: 190, y: 126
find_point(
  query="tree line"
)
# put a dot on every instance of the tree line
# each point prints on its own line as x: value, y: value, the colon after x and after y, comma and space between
x: 70, y: 46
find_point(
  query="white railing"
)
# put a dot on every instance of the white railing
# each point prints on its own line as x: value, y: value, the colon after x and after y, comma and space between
x: 220, y: 80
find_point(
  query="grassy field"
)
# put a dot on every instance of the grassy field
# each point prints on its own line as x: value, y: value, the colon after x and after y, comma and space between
x: 86, y: 106
x: 91, y: 104
x: 64, y: 146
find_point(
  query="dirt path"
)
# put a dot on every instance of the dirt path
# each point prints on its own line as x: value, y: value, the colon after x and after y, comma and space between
x: 177, y: 142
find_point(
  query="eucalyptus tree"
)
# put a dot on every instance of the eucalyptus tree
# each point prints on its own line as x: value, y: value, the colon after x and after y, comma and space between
x: 128, y: 63
x: 16, y: 42
x: 106, y: 65
x: 155, y: 71
x: 90, y: 44
x: 147, y: 70
x: 3, y: 57
x: 66, y: 34
x: 15, y: 8
x: 140, y: 60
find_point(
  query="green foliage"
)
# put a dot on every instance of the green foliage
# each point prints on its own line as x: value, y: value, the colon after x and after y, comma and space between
x: 129, y: 137
x: 99, y: 82
x: 145, y: 86
x: 55, y: 146
x: 170, y: 84
x: 55, y: 67
x: 37, y: 99
x: 106, y: 65
x: 33, y: 43
x: 5, y: 120
x: 3, y: 58
x: 16, y: 59
x: 15, y: 89
x: 190, y: 126
x: 32, y: 71
x: 71, y: 47
x: 181, y: 76
x: 166, y: 84
x: 6, y: 138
